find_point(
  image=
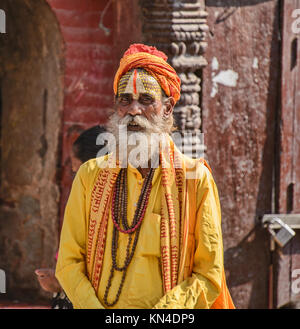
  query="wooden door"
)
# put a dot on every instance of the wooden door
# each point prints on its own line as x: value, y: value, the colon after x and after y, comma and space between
x: 287, y: 270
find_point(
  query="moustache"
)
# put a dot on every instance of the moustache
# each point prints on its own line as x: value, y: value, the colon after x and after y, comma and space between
x: 137, y: 120
x: 156, y: 124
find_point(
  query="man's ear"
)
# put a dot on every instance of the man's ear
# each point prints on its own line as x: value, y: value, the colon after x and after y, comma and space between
x: 169, y: 104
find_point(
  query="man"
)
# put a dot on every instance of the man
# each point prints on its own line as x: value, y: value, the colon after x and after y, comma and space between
x: 137, y: 236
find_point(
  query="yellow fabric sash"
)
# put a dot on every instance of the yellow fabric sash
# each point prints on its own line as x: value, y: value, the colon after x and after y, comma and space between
x: 177, y: 221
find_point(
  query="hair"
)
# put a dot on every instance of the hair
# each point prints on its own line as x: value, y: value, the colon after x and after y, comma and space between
x: 85, y: 147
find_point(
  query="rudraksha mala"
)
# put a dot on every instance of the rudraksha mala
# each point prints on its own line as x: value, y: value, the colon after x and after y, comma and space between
x: 119, y: 217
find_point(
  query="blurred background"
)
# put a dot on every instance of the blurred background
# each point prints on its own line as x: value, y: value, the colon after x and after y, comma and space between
x: 240, y: 71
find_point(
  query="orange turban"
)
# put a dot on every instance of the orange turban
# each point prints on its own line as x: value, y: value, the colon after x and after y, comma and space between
x: 154, y: 62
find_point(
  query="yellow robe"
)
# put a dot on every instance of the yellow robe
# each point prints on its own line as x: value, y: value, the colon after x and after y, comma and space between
x: 143, y: 287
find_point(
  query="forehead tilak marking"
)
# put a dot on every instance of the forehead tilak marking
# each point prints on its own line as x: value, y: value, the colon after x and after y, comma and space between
x: 135, y: 85
x: 139, y: 81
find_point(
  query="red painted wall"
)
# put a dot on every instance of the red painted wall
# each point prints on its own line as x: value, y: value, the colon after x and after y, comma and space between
x: 239, y: 132
x: 89, y: 68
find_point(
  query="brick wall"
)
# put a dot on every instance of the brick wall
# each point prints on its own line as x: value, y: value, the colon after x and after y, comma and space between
x: 89, y: 68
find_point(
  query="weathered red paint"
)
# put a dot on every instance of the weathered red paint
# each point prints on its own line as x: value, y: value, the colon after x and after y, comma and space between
x: 288, y: 192
x: 239, y: 132
x: 127, y: 27
x: 89, y: 67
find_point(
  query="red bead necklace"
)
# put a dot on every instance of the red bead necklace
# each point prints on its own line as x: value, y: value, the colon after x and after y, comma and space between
x: 119, y: 217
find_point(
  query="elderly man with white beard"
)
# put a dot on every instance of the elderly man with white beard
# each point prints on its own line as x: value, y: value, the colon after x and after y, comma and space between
x: 138, y: 235
x: 136, y: 122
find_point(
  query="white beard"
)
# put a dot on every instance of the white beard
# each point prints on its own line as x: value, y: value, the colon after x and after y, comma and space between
x: 139, y: 148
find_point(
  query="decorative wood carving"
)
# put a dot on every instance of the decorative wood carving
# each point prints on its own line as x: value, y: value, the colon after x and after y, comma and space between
x: 178, y: 27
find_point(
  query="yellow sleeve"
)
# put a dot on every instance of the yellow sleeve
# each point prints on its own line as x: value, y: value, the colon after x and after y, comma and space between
x: 201, y: 289
x: 70, y: 268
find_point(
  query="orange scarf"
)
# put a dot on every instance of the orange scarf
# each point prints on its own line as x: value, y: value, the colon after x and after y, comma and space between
x: 177, y: 222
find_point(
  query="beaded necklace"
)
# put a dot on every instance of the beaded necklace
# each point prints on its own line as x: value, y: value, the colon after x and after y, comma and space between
x: 119, y: 215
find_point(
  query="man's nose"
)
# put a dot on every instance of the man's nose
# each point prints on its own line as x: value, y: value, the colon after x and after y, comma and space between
x: 134, y: 108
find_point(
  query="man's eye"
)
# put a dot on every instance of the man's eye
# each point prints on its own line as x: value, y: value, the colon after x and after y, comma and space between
x: 124, y: 99
x: 146, y: 99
